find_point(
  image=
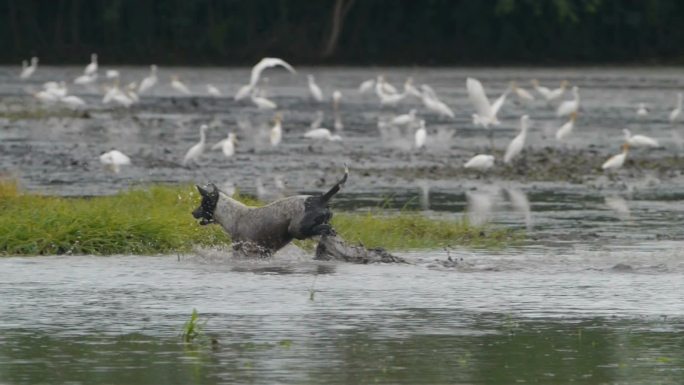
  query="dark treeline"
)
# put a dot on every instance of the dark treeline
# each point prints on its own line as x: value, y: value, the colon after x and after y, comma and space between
x: 407, y: 32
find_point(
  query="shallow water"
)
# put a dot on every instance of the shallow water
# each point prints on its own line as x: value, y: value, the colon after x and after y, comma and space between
x: 594, y: 296
x: 532, y: 316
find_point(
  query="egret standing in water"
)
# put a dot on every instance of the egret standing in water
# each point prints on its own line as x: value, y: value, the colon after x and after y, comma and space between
x: 639, y: 140
x: 114, y: 159
x: 196, y: 151
x: 227, y: 145
x: 322, y: 134
x: 179, y: 85
x: 314, y: 89
x: 150, y: 81
x: 567, y: 128
x: 91, y: 68
x: 521, y: 92
x: 642, y: 110
x: 616, y: 161
x: 261, y: 102
x: 213, y: 91
x: 674, y: 115
x: 276, y: 131
x: 481, y: 162
x: 366, y: 86
x: 28, y: 70
x: 517, y: 144
x: 420, y: 136
x: 337, y: 97
x: 569, y: 106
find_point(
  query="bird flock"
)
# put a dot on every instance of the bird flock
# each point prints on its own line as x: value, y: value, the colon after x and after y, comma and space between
x: 485, y: 111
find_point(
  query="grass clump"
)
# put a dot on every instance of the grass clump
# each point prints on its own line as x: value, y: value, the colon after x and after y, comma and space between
x: 150, y: 221
x: 158, y: 220
x: 411, y: 230
x: 192, y: 328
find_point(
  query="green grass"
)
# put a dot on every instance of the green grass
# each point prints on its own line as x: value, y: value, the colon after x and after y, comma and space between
x: 157, y: 220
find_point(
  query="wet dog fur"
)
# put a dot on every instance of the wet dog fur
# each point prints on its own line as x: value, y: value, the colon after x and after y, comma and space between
x: 272, y: 226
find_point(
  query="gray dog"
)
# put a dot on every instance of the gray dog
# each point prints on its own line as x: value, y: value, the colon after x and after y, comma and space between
x: 271, y: 227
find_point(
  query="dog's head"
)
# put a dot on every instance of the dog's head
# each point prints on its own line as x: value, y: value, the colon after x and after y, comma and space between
x: 205, y: 212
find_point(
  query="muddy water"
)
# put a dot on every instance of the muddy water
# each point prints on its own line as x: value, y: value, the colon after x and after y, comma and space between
x: 594, y: 296
x: 536, y: 316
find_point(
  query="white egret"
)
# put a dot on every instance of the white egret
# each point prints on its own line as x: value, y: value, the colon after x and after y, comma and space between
x: 114, y: 94
x: 642, y: 110
x: 73, y: 101
x: 366, y: 86
x: 227, y: 145
x: 548, y: 94
x: 322, y: 134
x: 639, y: 140
x: 178, y: 85
x: 60, y: 89
x: 86, y: 79
x: 337, y: 97
x: 515, y: 147
x: 485, y: 115
x: 387, y: 88
x: 213, y: 91
x: 410, y: 89
x: 521, y: 92
x: 196, y: 151
x: 130, y: 91
x: 567, y: 128
x: 420, y: 136
x: 616, y: 161
x: 28, y: 70
x: 91, y: 68
x: 674, y: 115
x: 481, y: 162
x: 261, y: 102
x: 318, y: 121
x: 405, y: 119
x: 276, y: 135
x: 337, y: 123
x: 114, y: 159
x: 149, y: 81
x: 46, y: 97
x: 569, y: 106
x: 258, y: 68
x: 314, y: 89
x: 112, y: 74
x: 432, y: 102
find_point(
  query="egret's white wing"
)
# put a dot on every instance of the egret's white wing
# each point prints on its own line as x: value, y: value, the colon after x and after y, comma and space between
x: 268, y: 62
x: 477, y: 96
x: 496, y: 106
x: 218, y: 145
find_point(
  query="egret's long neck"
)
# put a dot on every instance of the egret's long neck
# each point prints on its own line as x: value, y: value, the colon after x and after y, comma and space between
x: 203, y: 136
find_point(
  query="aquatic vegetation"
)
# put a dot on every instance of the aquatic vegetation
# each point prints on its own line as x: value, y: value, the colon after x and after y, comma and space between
x: 192, y: 328
x: 157, y: 220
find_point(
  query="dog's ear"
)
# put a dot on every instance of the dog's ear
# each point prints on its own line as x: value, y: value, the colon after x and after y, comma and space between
x: 214, y: 189
x: 202, y: 191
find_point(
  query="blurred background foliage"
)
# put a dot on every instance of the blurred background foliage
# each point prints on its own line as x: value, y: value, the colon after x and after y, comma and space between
x: 407, y: 32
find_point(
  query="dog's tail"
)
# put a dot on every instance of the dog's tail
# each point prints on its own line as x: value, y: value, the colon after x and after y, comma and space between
x: 326, y: 197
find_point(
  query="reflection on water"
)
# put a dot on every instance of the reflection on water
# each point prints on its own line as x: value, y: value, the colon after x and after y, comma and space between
x: 495, y: 318
x: 501, y: 350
